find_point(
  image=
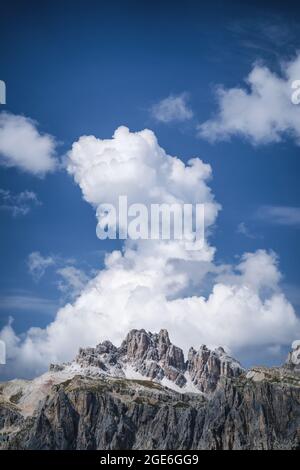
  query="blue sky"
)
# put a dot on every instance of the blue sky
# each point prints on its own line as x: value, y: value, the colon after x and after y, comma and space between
x: 85, y: 68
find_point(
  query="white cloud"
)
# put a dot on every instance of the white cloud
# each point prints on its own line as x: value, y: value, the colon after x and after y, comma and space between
x: 24, y: 147
x: 145, y: 285
x: 120, y: 298
x: 18, y: 203
x: 38, y: 264
x: 280, y: 215
x: 26, y: 301
x: 133, y: 164
x: 256, y: 271
x: 261, y: 112
x: 243, y: 229
x: 174, y: 108
x: 73, y: 281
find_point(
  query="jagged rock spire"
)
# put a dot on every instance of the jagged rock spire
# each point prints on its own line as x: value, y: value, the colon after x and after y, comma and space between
x: 154, y: 357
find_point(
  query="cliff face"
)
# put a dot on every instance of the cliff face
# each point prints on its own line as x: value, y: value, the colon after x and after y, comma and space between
x: 153, y: 356
x: 258, y: 409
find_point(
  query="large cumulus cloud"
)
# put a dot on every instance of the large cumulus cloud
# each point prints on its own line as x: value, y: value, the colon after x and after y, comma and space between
x: 155, y: 284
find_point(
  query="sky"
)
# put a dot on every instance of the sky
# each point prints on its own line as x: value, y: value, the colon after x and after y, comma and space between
x: 211, y: 83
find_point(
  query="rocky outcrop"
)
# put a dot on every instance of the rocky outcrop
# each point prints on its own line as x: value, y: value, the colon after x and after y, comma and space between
x: 257, y: 409
x: 207, y: 367
x: 153, y: 356
x: 87, y: 413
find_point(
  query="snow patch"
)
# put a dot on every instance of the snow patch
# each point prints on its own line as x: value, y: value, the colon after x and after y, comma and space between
x: 190, y: 387
x: 132, y: 374
x: 169, y: 384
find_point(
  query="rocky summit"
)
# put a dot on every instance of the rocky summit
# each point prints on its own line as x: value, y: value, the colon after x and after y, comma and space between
x: 146, y: 395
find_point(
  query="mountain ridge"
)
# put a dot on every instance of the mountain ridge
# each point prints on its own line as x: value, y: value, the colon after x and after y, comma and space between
x: 146, y: 394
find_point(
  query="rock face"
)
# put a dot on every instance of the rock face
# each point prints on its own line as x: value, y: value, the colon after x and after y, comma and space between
x: 146, y: 355
x: 92, y: 404
x: 154, y: 356
x: 207, y: 367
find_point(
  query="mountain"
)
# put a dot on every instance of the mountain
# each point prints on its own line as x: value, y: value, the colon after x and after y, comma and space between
x: 146, y: 395
x: 146, y: 355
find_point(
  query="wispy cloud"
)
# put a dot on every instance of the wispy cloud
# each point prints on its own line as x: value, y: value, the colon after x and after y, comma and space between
x: 38, y: 264
x: 266, y: 32
x: 243, y: 229
x: 71, y: 279
x: 173, y: 108
x: 25, y: 301
x: 72, y: 282
x: 279, y: 215
x: 18, y: 204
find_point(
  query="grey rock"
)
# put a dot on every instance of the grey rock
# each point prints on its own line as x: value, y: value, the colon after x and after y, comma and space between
x: 207, y: 367
x: 241, y: 410
x: 120, y: 414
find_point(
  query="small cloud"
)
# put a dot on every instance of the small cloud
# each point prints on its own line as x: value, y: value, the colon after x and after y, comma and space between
x: 174, y: 108
x: 24, y: 147
x: 73, y: 281
x: 18, y: 204
x: 37, y: 264
x: 262, y: 111
x: 280, y: 215
x: 242, y: 229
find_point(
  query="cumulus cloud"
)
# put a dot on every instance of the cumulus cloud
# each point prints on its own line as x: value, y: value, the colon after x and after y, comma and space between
x: 256, y: 271
x: 38, y: 264
x: 262, y: 111
x: 147, y: 284
x: 18, y: 203
x: 133, y: 164
x: 24, y: 147
x: 119, y: 298
x: 174, y: 108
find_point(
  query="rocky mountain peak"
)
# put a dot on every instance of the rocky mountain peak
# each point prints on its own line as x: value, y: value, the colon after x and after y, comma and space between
x: 153, y: 356
x: 206, y: 367
x: 137, y: 345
